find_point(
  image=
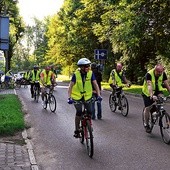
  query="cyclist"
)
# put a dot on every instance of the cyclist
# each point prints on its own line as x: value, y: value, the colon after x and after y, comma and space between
x: 154, y: 81
x: 80, y: 89
x: 8, y: 77
x: 118, y: 78
x: 98, y: 76
x: 34, y: 77
x: 53, y: 69
x: 47, y: 79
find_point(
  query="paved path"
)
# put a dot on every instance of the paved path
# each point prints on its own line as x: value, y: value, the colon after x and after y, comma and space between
x: 14, y: 156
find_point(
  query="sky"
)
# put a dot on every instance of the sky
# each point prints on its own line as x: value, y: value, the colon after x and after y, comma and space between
x: 38, y: 9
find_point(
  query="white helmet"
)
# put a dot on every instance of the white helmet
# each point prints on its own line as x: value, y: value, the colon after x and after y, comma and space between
x: 83, y: 61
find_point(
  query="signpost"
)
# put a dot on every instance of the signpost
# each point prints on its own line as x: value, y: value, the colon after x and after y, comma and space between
x: 4, y: 33
x: 101, y: 55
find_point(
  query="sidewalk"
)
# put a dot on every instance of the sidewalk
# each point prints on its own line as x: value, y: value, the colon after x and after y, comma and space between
x: 14, y: 156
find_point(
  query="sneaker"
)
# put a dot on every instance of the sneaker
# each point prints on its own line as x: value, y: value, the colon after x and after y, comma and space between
x: 76, y: 134
x: 147, y: 129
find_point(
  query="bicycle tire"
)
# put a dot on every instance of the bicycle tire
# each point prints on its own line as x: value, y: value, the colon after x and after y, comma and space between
x: 164, y: 123
x: 112, y: 102
x: 37, y: 95
x: 81, y: 133
x: 89, y: 139
x: 52, y: 103
x: 45, y: 102
x: 124, y: 106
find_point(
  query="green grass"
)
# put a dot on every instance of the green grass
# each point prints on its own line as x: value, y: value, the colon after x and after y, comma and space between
x: 63, y: 78
x: 136, y: 89
x: 11, y: 115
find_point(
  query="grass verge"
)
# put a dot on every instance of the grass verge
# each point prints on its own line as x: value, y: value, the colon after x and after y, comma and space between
x: 11, y: 115
x: 136, y: 89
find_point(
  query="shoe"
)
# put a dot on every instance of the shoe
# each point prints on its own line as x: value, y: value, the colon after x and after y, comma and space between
x: 147, y: 129
x: 76, y: 134
x: 32, y: 95
x: 99, y: 118
x: 43, y: 103
x: 93, y: 118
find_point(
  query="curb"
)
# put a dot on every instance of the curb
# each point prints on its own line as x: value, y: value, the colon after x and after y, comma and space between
x: 29, y: 146
x: 33, y: 162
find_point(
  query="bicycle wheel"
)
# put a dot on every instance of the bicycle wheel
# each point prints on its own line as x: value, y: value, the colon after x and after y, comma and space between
x: 52, y: 103
x: 112, y: 102
x: 45, y: 102
x: 36, y: 95
x: 165, y: 127
x: 81, y: 133
x: 89, y: 139
x: 124, y: 106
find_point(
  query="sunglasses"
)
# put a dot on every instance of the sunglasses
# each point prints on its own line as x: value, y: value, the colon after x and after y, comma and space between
x: 86, y: 66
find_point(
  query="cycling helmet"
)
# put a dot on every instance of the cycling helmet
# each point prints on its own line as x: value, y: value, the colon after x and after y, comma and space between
x: 83, y: 61
x: 93, y: 65
x: 35, y: 67
x: 47, y: 68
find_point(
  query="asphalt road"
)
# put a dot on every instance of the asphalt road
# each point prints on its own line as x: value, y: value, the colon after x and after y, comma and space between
x: 120, y: 143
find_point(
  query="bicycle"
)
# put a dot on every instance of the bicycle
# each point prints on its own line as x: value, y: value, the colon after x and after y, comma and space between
x: 36, y: 91
x: 49, y: 99
x: 86, y: 130
x: 159, y: 114
x: 118, y: 99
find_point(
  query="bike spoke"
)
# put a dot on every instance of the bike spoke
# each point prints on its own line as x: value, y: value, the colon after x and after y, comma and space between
x: 112, y: 103
x: 52, y: 103
x: 165, y: 128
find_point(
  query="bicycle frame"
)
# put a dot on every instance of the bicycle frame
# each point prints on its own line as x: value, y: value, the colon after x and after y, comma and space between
x: 118, y: 99
x: 160, y: 117
x: 86, y: 129
x: 49, y: 99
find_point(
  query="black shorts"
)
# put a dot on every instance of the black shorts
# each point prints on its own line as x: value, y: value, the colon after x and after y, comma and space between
x: 148, y: 101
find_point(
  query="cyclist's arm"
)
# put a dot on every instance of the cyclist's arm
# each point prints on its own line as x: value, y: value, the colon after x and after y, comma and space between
x: 150, y: 89
x: 70, y: 88
x: 96, y: 87
x: 167, y: 86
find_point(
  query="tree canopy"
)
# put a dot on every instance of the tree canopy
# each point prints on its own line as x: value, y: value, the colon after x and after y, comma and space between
x: 136, y: 33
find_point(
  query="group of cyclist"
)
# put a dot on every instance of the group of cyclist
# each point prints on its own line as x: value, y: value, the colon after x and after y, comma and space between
x: 83, y: 83
x: 42, y: 79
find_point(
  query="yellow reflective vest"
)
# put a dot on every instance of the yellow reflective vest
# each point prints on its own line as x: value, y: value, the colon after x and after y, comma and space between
x: 78, y: 90
x: 117, y: 78
x: 46, y: 79
x: 35, y: 77
x: 145, y: 86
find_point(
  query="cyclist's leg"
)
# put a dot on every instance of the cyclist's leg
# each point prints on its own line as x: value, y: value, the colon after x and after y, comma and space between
x: 42, y: 92
x: 99, y: 110
x: 78, y: 108
x: 93, y: 107
x: 31, y: 90
x: 147, y: 102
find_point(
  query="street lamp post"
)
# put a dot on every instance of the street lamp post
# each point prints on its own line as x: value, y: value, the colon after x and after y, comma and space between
x: 4, y: 28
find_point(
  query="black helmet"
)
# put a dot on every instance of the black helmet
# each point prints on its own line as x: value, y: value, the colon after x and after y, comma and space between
x: 36, y: 67
x: 93, y: 65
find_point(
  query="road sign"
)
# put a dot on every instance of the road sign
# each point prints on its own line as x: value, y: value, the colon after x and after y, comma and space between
x: 100, y: 54
x: 4, y: 33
